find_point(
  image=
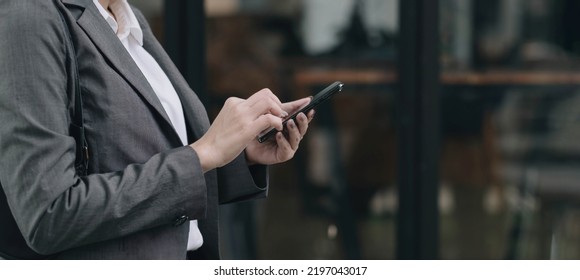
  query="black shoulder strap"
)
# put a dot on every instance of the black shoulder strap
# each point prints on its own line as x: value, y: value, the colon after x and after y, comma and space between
x: 77, y: 129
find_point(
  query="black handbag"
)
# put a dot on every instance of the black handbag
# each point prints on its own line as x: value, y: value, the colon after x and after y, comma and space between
x: 77, y: 128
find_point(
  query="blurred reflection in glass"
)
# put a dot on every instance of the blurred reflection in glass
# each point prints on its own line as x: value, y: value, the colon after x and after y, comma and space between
x: 510, y: 116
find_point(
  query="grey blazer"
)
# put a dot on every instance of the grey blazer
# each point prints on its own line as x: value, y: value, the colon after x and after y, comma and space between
x: 142, y: 185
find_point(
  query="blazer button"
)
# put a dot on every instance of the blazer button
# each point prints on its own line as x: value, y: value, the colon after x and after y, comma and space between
x: 180, y: 221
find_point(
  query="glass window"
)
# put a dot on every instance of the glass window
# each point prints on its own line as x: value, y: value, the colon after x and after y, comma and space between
x: 509, y: 178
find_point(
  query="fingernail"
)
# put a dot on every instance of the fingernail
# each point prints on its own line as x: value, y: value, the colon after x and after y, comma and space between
x: 291, y: 123
x: 284, y: 114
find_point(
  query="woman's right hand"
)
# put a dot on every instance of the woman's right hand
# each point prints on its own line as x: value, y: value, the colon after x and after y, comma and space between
x: 238, y: 123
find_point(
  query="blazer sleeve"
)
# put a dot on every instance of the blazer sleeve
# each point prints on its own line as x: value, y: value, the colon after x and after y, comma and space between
x: 54, y: 208
x: 239, y: 182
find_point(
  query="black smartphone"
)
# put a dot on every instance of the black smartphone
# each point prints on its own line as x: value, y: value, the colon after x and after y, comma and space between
x: 320, y: 97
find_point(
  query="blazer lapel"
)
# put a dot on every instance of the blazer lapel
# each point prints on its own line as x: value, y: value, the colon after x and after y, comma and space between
x: 107, y: 42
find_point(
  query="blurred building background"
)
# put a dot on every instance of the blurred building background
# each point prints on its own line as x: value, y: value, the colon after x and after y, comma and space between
x: 502, y: 134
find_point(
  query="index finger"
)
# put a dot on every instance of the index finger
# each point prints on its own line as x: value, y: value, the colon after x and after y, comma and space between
x: 264, y: 93
x: 265, y: 101
x: 296, y: 104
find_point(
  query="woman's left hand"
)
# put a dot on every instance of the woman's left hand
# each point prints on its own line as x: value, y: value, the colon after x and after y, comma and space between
x: 281, y: 148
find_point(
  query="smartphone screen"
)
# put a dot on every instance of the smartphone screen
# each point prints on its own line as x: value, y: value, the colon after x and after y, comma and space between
x: 320, y: 97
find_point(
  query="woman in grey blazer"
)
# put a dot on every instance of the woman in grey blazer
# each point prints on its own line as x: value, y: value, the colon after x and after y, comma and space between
x: 143, y: 184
